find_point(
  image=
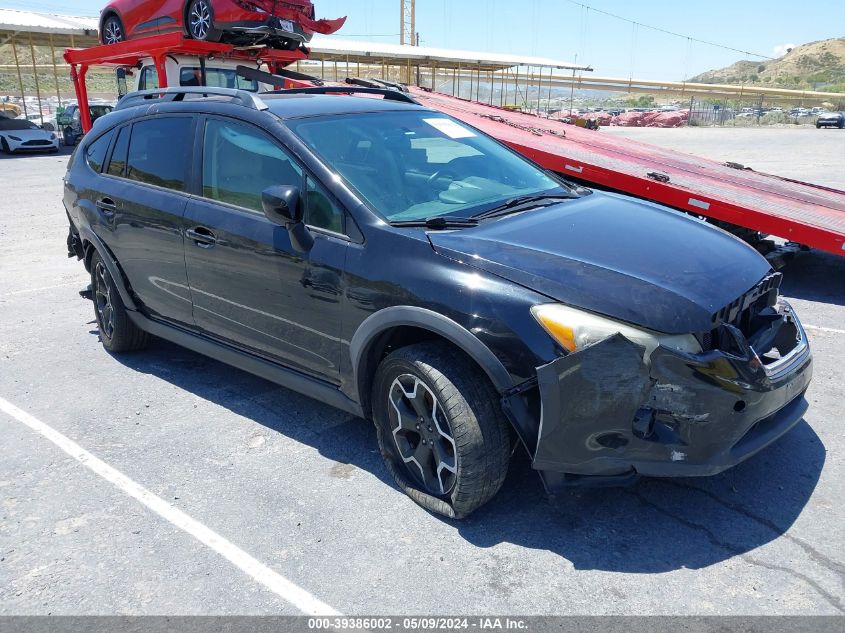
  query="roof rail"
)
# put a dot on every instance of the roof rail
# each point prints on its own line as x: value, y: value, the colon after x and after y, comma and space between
x: 390, y: 95
x: 241, y: 97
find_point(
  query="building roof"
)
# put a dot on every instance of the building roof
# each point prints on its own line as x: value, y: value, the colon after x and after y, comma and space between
x: 337, y: 49
x: 65, y: 30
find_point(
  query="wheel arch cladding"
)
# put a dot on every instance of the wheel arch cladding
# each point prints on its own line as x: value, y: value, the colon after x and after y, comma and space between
x: 92, y: 243
x: 412, y: 324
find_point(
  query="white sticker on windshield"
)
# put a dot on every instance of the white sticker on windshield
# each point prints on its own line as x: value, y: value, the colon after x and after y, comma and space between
x: 450, y: 128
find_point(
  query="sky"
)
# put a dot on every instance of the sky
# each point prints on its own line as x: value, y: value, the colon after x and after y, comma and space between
x: 564, y: 29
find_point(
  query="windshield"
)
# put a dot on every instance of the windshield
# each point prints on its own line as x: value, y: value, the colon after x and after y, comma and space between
x: 17, y: 124
x: 418, y: 164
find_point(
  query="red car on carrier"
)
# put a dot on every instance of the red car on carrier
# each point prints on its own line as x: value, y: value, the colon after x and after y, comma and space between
x: 285, y: 24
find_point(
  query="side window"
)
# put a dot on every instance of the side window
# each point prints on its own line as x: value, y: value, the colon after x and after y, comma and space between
x: 117, y: 164
x: 160, y: 152
x: 320, y: 210
x: 95, y: 153
x: 240, y: 161
x: 148, y: 79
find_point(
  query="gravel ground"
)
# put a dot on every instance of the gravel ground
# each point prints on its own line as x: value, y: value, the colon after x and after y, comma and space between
x: 299, y: 486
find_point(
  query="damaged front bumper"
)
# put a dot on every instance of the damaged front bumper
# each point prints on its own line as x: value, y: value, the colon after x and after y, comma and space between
x: 609, y: 415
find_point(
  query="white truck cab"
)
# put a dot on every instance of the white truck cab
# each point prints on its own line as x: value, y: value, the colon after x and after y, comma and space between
x: 186, y: 70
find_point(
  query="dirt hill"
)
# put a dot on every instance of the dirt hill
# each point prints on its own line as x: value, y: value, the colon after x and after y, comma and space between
x: 817, y: 65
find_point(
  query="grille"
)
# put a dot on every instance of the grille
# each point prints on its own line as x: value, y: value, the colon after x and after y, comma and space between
x: 37, y: 143
x: 742, y: 313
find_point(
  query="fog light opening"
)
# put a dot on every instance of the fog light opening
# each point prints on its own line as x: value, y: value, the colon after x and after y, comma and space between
x: 739, y: 407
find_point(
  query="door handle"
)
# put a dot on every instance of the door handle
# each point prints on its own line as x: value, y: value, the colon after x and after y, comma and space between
x: 201, y: 237
x: 107, y: 206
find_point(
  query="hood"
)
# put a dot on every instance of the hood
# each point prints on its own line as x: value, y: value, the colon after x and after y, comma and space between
x: 615, y: 256
x: 29, y: 135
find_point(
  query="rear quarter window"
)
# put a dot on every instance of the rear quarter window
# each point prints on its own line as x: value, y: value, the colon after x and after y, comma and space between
x: 95, y: 153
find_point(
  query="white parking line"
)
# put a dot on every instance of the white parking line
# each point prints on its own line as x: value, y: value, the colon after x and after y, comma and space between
x: 833, y: 330
x: 278, y: 584
x: 26, y: 291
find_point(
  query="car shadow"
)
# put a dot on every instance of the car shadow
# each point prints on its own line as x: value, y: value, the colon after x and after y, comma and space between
x: 815, y: 276
x: 653, y: 526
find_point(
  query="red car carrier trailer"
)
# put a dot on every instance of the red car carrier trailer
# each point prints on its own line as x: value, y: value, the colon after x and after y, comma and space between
x: 750, y: 204
x: 158, y: 48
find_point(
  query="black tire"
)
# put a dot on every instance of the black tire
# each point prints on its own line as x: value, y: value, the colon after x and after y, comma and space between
x: 841, y: 125
x: 113, y: 32
x: 199, y: 21
x: 818, y: 126
x: 467, y: 417
x: 4, y: 146
x: 117, y: 332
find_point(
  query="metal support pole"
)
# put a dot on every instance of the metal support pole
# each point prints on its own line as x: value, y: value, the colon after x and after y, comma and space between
x: 161, y: 69
x: 470, y: 84
x: 55, y: 70
x: 539, y: 89
x: 82, y: 98
x: 35, y: 74
x: 20, y: 78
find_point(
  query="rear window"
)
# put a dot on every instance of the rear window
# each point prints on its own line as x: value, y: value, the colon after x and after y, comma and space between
x: 160, y: 151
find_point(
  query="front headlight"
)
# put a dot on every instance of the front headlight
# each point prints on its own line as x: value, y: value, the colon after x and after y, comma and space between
x: 15, y: 138
x: 575, y: 329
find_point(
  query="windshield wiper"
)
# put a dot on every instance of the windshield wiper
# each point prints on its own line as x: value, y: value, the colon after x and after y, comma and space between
x: 514, y: 204
x: 438, y: 222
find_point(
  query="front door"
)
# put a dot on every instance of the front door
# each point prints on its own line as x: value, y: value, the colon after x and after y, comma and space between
x: 249, y: 286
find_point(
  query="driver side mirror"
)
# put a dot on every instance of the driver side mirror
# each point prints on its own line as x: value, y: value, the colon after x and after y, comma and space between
x: 282, y: 205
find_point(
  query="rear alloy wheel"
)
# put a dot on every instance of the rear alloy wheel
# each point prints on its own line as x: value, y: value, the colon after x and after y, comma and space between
x: 117, y: 331
x: 113, y: 30
x: 201, y: 21
x: 440, y: 428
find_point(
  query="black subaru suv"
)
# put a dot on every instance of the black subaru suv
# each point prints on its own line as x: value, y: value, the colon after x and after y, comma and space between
x: 403, y: 266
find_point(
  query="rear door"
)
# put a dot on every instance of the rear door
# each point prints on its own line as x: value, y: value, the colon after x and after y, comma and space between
x: 146, y: 197
x: 249, y: 286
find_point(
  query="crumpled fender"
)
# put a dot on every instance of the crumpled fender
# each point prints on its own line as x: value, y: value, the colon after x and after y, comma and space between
x: 606, y: 382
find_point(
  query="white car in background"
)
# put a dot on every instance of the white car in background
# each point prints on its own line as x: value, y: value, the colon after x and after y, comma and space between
x: 18, y: 135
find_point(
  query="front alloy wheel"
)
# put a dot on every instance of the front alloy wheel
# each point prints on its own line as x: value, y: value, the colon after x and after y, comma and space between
x: 422, y: 435
x: 440, y: 428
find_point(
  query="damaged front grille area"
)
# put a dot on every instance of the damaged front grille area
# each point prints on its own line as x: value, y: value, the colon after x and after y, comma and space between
x: 758, y: 325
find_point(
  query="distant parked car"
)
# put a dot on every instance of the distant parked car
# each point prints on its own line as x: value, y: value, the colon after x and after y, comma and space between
x: 19, y: 135
x: 286, y: 25
x: 831, y: 119
x: 70, y: 121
